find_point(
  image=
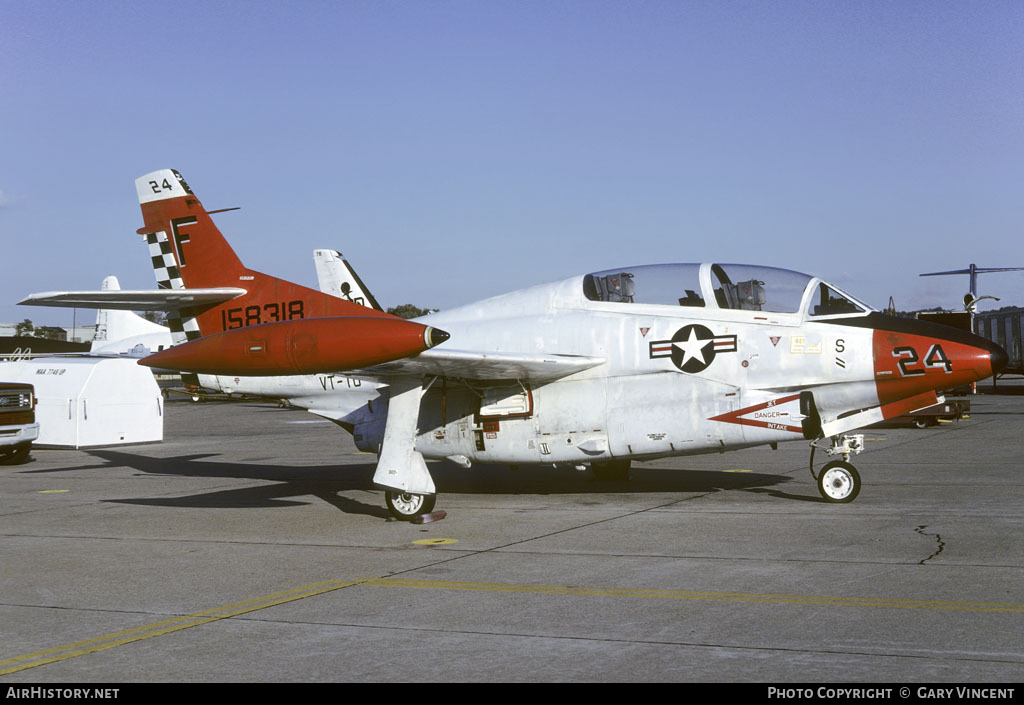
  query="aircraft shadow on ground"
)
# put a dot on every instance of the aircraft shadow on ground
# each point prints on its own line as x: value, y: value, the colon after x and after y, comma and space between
x: 292, y: 484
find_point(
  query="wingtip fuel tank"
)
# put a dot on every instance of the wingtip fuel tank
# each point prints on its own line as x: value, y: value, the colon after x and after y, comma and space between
x: 305, y: 346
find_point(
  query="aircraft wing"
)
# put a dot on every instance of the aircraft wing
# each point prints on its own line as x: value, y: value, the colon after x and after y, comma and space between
x: 979, y: 270
x: 126, y: 300
x: 470, y: 364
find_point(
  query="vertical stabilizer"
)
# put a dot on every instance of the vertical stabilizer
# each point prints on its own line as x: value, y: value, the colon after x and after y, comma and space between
x: 189, y: 251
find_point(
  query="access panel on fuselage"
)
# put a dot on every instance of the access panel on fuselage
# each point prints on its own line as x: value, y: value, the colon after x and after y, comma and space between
x: 669, y: 413
x: 559, y: 422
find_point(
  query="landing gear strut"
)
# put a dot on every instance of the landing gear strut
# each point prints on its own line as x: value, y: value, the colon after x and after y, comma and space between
x: 839, y: 481
x: 405, y: 506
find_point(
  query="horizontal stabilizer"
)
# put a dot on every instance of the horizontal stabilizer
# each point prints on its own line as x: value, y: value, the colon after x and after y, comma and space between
x: 147, y: 300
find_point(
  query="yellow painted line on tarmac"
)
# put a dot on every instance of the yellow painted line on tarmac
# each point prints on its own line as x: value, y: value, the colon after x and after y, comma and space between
x: 52, y: 491
x: 694, y: 595
x: 434, y: 542
x: 127, y: 636
x: 738, y: 470
x: 109, y: 641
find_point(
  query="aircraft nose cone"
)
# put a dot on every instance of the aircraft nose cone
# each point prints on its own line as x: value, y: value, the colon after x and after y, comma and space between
x: 998, y: 357
x: 435, y: 336
x: 914, y: 357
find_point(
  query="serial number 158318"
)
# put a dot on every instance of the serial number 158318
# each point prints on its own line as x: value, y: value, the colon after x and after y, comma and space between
x: 255, y: 315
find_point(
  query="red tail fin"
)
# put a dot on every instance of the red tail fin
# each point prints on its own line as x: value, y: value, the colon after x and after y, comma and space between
x: 189, y: 251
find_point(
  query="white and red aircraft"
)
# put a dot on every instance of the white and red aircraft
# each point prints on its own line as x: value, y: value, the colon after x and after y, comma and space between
x: 629, y: 363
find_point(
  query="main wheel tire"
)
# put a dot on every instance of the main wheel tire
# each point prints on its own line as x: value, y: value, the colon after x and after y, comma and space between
x: 404, y: 506
x: 15, y: 456
x: 922, y: 422
x: 839, y: 482
x: 611, y: 470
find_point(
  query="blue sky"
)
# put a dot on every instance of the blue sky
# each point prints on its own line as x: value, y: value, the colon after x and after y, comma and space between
x: 457, y: 150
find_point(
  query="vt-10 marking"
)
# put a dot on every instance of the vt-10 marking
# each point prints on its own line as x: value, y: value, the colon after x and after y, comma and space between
x: 598, y: 370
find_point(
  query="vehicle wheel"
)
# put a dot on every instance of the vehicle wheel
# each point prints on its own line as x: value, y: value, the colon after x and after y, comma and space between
x: 15, y: 456
x: 611, y: 470
x: 405, y: 505
x: 839, y: 482
x: 922, y: 422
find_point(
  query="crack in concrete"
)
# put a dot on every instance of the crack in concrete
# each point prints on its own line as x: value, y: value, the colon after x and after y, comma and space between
x: 938, y: 539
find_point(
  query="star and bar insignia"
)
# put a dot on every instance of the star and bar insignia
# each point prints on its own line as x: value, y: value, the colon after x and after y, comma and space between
x: 693, y: 348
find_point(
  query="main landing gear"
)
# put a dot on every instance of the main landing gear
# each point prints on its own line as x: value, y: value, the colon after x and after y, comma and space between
x: 838, y: 481
x: 406, y: 506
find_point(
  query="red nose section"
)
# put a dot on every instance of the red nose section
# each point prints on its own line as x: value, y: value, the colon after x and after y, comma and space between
x: 305, y: 346
x: 915, y: 357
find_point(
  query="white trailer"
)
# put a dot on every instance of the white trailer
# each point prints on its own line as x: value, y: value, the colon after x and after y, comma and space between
x: 85, y: 402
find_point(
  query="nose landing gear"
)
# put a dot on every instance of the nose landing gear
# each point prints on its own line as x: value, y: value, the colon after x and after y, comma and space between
x: 839, y: 481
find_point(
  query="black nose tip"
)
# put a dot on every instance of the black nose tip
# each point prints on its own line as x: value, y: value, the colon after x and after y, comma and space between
x: 436, y: 336
x: 999, y: 358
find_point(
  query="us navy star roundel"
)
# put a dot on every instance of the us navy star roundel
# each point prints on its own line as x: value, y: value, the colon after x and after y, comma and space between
x: 693, y: 347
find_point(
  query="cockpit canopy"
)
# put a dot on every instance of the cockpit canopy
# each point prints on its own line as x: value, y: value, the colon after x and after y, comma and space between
x: 739, y: 287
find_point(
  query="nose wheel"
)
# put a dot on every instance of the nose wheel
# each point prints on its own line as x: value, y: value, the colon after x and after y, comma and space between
x: 839, y: 482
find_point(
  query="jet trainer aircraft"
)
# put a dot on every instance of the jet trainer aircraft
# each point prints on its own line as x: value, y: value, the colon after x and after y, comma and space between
x: 629, y: 363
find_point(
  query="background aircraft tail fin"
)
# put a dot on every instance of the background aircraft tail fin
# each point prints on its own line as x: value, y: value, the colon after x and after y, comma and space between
x: 115, y: 326
x: 337, y: 278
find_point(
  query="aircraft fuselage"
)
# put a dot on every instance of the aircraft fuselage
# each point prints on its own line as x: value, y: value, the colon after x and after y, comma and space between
x: 676, y: 380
